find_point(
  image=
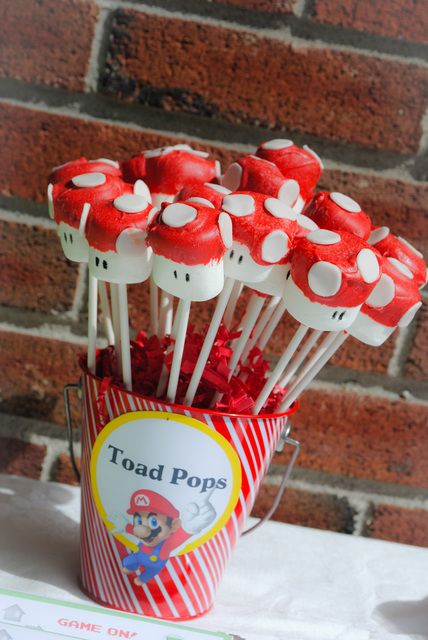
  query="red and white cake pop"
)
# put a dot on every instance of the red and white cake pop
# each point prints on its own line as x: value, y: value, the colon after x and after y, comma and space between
x: 393, y: 303
x: 332, y: 274
x: 66, y: 171
x: 169, y: 169
x: 338, y: 212
x: 302, y: 165
x: 400, y: 249
x: 207, y: 193
x: 252, y: 173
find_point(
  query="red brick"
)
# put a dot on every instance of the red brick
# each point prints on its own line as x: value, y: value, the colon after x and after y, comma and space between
x: 64, y: 471
x: 408, y: 526
x: 363, y: 436
x: 269, y: 6
x: 242, y: 77
x: 403, y: 19
x: 417, y: 361
x: 63, y: 138
x: 46, y: 41
x: 33, y: 271
x: 36, y: 371
x: 21, y: 458
x: 306, y: 509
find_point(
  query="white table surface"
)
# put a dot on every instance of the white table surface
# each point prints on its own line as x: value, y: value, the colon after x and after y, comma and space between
x: 284, y: 582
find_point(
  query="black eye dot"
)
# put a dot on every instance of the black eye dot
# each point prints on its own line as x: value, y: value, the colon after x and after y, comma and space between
x: 288, y: 275
x: 231, y: 254
x: 175, y: 275
x: 341, y: 315
x: 97, y: 261
x: 71, y: 239
x: 240, y: 259
x: 105, y: 265
x: 334, y: 315
x: 65, y: 237
x: 187, y: 277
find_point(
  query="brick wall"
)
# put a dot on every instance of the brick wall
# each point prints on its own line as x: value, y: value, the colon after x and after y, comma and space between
x: 108, y: 78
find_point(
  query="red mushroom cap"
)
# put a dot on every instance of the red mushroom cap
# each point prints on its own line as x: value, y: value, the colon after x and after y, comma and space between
x: 70, y: 196
x: 395, y: 247
x: 395, y: 296
x: 208, y: 191
x: 170, y: 169
x: 190, y: 233
x: 67, y: 171
x: 336, y: 211
x: 335, y: 269
x: 265, y: 225
x: 134, y: 168
x: 107, y: 219
x: 294, y: 163
x: 252, y: 173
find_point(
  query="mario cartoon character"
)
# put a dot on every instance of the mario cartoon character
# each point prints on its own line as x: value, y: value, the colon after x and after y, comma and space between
x: 161, y: 528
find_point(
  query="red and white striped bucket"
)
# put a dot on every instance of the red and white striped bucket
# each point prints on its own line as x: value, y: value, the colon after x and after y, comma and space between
x: 136, y: 450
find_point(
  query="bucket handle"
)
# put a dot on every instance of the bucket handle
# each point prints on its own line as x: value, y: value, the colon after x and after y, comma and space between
x: 284, y: 439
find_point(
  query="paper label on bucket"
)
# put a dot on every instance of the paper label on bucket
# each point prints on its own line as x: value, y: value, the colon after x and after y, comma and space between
x: 163, y: 484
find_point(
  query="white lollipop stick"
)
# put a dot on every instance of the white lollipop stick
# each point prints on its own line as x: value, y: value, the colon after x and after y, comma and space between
x: 116, y: 326
x: 279, y: 369
x: 154, y: 307
x: 183, y: 311
x: 298, y: 360
x: 92, y: 322
x: 261, y: 325
x: 165, y: 314
x: 271, y: 325
x: 231, y: 305
x: 163, y: 379
x: 106, y: 313
x: 124, y: 336
x: 331, y: 344
x: 224, y: 297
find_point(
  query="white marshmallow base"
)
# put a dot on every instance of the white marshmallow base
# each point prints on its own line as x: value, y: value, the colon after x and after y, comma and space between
x: 275, y: 281
x: 316, y: 315
x: 239, y: 265
x: 370, y: 332
x: 74, y: 245
x: 189, y: 282
x: 110, y: 266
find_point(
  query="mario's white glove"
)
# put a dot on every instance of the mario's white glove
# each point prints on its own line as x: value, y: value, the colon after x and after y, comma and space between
x: 196, y: 517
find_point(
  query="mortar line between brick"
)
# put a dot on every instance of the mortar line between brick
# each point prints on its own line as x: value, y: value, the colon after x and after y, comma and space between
x: 79, y: 293
x: 98, y: 43
x: 54, y: 448
x: 423, y: 144
x: 361, y: 509
x: 282, y: 34
x: 373, y: 391
x: 46, y: 330
x: 27, y: 219
x: 399, y: 355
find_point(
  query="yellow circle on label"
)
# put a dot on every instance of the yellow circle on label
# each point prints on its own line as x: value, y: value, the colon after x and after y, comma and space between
x: 153, y: 558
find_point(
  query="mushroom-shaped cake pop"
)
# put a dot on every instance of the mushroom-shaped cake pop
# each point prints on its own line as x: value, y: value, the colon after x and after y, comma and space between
x: 252, y: 173
x: 294, y: 163
x: 400, y: 249
x: 66, y: 171
x: 70, y: 202
x: 332, y: 274
x: 169, y: 169
x: 207, y: 193
x: 393, y: 303
x: 263, y: 231
x: 337, y: 212
x: 189, y: 240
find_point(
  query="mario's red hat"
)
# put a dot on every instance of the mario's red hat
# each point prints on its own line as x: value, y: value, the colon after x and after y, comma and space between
x: 143, y: 500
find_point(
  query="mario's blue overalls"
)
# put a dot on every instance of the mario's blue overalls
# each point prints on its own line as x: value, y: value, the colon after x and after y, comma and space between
x: 152, y: 562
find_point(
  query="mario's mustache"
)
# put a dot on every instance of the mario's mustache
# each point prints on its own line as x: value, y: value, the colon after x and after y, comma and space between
x: 153, y: 534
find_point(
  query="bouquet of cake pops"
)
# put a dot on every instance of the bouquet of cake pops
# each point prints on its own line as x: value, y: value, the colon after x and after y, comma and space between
x: 257, y: 236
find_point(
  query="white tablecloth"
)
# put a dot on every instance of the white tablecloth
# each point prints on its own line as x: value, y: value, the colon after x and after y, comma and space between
x: 284, y: 582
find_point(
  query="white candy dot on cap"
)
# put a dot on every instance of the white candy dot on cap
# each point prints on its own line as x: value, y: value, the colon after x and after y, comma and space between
x: 277, y: 143
x: 410, y: 246
x: 306, y: 223
x: 204, y: 201
x: 112, y: 163
x: 383, y: 293
x: 313, y: 153
x: 178, y: 215
x: 142, y: 189
x: 377, y: 235
x: 324, y: 278
x: 368, y: 265
x: 217, y: 187
x: 289, y: 192
x: 279, y: 209
x: 130, y: 203
x: 95, y: 179
x: 225, y: 226
x: 345, y: 202
x: 401, y: 267
x: 232, y: 178
x: 409, y: 315
x: 323, y: 236
x: 275, y: 246
x: 239, y: 205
